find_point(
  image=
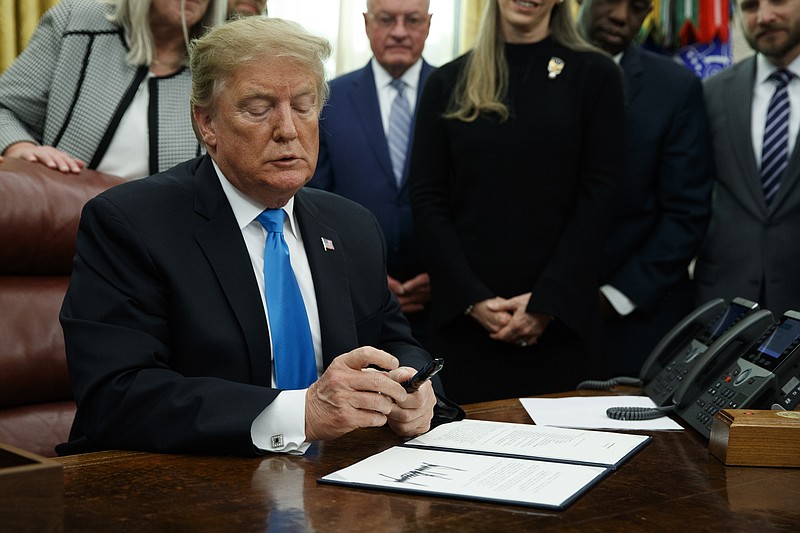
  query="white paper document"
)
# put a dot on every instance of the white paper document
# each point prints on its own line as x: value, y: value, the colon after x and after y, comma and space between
x: 600, y: 448
x: 463, y: 475
x: 590, y: 413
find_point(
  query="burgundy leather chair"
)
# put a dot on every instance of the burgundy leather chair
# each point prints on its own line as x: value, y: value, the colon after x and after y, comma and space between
x: 39, y: 213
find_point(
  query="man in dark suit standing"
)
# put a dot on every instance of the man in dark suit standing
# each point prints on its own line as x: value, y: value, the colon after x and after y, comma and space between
x: 752, y: 248
x: 664, y: 199
x: 174, y: 339
x: 360, y: 157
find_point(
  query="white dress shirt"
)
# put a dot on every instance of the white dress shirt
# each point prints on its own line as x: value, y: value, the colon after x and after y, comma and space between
x: 387, y: 93
x: 285, y: 416
x: 763, y: 89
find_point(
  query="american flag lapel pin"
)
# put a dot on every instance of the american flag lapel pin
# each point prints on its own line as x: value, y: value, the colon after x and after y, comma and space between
x: 327, y: 245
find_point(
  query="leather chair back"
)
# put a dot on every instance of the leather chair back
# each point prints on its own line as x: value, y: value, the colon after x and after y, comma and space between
x: 39, y: 214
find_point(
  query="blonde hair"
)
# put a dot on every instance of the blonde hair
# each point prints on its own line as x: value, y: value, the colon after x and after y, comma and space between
x: 476, y: 92
x: 224, y: 49
x: 134, y: 17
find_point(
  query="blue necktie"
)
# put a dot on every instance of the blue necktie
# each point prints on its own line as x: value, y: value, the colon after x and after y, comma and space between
x: 292, y: 348
x: 775, y: 150
x: 399, y: 126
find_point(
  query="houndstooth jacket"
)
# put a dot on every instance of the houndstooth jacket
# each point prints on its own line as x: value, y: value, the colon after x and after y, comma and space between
x: 71, y: 85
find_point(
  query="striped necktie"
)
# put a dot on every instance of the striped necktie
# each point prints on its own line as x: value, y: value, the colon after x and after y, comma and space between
x: 399, y: 126
x: 292, y: 347
x: 775, y: 150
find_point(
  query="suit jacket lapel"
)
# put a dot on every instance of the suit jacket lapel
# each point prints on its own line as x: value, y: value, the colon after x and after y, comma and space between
x: 364, y: 100
x: 739, y: 94
x: 222, y: 242
x: 789, y: 180
x: 632, y: 68
x: 331, y: 284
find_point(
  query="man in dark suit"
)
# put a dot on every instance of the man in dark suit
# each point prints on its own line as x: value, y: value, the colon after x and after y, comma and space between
x: 663, y: 201
x: 169, y: 334
x: 752, y: 247
x: 355, y: 159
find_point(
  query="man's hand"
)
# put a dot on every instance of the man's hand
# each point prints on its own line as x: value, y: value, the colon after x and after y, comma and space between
x: 348, y: 396
x: 412, y: 294
x: 413, y: 416
x: 46, y: 155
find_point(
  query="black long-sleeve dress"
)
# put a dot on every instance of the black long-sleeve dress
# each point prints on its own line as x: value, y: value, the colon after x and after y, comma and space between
x: 506, y: 208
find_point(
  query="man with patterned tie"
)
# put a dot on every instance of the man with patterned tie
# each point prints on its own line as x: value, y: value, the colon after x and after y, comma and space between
x: 365, y: 138
x: 752, y: 248
x: 219, y: 307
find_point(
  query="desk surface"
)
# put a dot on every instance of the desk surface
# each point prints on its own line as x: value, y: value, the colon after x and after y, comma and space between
x: 674, y: 482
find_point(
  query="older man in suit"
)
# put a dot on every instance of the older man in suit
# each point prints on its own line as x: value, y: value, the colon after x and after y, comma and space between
x: 363, y: 155
x: 752, y: 247
x: 199, y: 294
x: 664, y: 199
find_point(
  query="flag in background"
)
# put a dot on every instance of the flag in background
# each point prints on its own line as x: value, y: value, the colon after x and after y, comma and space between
x: 694, y: 32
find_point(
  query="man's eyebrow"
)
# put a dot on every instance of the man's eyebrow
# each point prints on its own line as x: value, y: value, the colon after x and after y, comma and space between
x: 257, y: 95
x: 305, y: 91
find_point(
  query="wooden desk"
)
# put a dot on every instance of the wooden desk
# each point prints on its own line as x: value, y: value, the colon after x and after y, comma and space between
x: 673, y: 483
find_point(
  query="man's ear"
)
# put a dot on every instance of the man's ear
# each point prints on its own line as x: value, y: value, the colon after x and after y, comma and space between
x: 206, y: 128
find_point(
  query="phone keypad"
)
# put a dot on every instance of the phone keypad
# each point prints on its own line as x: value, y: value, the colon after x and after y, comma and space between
x: 792, y: 400
x: 669, y: 380
x: 719, y: 396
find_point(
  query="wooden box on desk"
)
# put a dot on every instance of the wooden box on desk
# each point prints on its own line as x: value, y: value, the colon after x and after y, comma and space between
x: 748, y: 437
x: 31, y: 491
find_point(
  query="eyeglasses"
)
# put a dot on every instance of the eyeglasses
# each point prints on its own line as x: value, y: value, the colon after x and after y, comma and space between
x: 414, y: 21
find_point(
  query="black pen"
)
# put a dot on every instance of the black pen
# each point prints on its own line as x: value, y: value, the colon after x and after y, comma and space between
x: 424, y: 374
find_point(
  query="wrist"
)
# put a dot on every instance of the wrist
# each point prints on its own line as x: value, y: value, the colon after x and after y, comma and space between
x: 13, y: 150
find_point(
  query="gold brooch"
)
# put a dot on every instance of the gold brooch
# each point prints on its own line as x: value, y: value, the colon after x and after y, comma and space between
x: 554, y: 67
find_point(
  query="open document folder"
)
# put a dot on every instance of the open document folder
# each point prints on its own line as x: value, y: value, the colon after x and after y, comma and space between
x: 502, y: 462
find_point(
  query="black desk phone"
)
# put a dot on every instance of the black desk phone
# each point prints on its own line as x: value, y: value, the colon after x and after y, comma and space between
x: 685, y: 345
x: 681, y: 348
x: 721, y: 356
x: 758, y: 368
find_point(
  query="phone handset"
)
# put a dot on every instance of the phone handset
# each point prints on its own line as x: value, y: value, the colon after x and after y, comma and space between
x: 679, y: 338
x: 722, y: 352
x: 700, y: 317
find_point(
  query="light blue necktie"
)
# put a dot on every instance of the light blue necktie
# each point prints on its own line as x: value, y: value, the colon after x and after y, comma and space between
x: 399, y: 126
x: 775, y: 150
x: 292, y: 348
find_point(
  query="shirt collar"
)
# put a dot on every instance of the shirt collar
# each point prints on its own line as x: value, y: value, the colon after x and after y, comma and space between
x: 764, y: 68
x: 410, y: 76
x: 246, y: 209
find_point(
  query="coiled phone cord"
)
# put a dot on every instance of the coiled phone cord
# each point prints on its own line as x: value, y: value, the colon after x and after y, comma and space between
x: 638, y: 413
x: 625, y: 413
x: 608, y: 384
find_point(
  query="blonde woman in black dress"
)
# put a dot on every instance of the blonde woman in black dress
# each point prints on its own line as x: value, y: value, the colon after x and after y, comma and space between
x: 518, y: 148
